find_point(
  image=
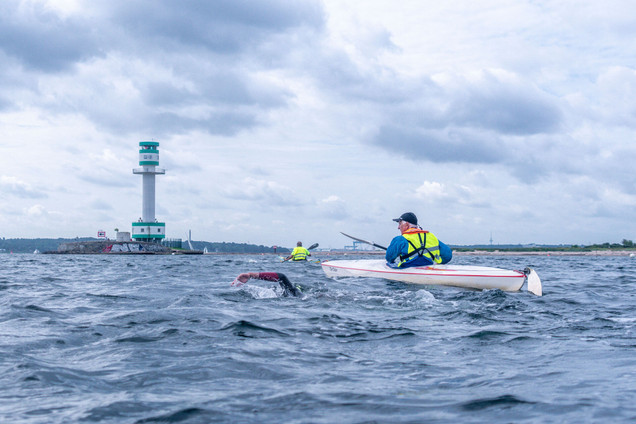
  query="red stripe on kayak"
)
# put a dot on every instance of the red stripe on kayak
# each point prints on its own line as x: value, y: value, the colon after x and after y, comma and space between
x: 430, y: 273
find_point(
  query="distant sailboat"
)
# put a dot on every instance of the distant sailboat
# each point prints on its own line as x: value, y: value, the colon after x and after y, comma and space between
x: 36, y: 251
x: 205, y: 250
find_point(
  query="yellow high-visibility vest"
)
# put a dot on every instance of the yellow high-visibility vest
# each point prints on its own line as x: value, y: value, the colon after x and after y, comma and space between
x: 299, y: 253
x: 421, y: 243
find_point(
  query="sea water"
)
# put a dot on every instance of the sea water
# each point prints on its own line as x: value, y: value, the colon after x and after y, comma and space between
x: 167, y: 339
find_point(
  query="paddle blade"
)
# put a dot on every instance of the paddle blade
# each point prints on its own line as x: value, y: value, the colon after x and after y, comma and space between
x: 313, y: 246
x: 534, y: 282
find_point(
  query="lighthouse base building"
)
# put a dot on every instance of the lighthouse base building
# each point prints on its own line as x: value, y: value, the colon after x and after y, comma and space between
x: 148, y: 231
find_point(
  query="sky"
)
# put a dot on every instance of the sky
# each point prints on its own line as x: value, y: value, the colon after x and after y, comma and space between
x: 283, y: 121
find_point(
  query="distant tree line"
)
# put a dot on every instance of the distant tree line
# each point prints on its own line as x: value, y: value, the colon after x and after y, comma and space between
x: 20, y: 245
x: 626, y: 244
x: 225, y: 247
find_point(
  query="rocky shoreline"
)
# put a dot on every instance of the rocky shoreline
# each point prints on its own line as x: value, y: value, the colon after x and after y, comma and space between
x: 111, y: 247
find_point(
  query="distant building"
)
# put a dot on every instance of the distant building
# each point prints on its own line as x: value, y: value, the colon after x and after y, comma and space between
x: 147, y: 228
x: 123, y: 236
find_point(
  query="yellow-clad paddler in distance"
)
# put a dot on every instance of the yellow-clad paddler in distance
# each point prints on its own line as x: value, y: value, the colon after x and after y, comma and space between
x: 299, y: 253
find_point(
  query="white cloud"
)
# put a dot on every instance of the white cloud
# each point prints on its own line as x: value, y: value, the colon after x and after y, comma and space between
x: 36, y: 211
x: 431, y: 190
x: 268, y: 192
x: 18, y: 188
x: 333, y: 207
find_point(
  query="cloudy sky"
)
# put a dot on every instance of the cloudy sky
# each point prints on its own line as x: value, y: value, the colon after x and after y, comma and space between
x: 281, y: 121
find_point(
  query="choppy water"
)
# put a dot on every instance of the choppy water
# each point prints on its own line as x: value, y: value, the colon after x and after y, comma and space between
x: 166, y: 339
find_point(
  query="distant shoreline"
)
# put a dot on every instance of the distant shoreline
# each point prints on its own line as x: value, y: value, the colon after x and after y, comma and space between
x: 45, y: 245
x: 627, y: 253
x: 466, y: 253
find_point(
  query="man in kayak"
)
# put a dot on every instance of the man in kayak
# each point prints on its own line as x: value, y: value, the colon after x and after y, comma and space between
x: 415, y: 247
x: 288, y: 288
x: 299, y: 253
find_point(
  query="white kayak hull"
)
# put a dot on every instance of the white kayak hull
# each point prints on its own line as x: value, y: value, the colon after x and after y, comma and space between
x: 474, y: 277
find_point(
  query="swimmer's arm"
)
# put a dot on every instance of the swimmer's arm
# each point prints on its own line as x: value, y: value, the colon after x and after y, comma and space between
x: 246, y: 276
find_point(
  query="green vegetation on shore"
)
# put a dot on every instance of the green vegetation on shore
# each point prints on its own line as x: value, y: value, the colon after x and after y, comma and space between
x: 21, y: 245
x: 224, y: 247
x: 625, y: 245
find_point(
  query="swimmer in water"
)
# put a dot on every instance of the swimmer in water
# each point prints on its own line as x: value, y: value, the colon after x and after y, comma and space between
x: 288, y: 288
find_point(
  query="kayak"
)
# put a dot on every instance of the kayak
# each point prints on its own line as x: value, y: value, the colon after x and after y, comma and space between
x: 311, y: 261
x: 468, y: 276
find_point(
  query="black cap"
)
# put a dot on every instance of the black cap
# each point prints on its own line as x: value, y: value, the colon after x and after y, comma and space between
x: 408, y: 217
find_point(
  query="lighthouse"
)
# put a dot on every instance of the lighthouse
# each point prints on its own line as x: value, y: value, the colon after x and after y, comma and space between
x: 147, y: 228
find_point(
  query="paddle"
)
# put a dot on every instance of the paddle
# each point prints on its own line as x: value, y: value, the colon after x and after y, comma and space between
x: 364, y: 241
x: 534, y: 282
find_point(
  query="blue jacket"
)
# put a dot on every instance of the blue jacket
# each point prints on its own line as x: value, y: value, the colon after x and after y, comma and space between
x: 399, y: 246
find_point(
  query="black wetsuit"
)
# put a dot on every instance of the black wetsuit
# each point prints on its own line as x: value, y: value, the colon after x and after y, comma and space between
x: 288, y: 288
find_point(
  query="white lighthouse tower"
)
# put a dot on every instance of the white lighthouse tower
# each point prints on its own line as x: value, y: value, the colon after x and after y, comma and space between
x: 147, y: 228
